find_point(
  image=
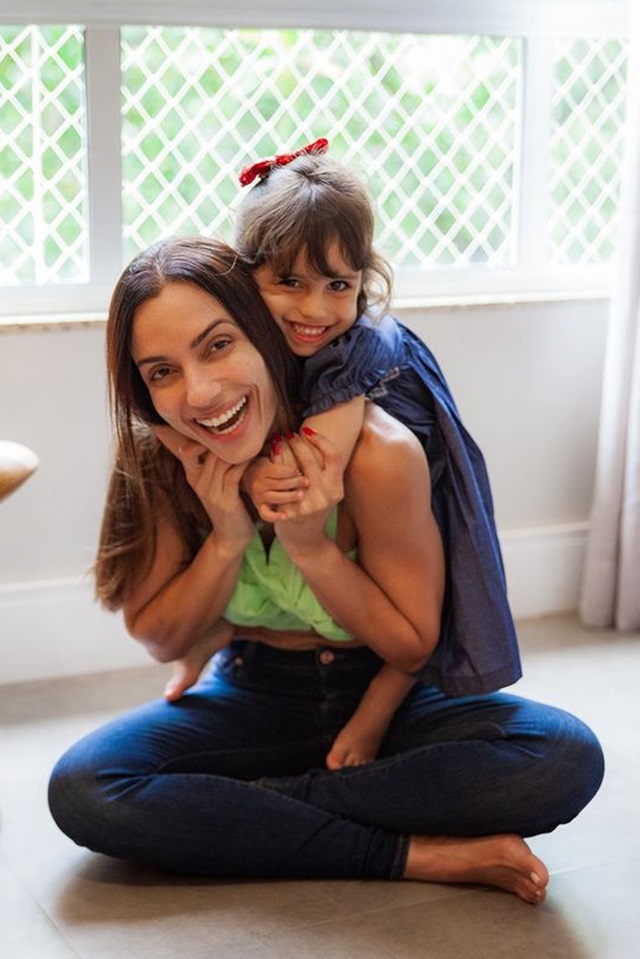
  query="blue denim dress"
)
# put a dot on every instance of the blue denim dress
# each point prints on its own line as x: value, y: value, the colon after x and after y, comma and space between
x: 478, y: 650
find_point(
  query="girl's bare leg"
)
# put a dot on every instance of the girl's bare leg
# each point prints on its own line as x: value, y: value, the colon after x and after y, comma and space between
x: 359, y: 740
x: 502, y: 861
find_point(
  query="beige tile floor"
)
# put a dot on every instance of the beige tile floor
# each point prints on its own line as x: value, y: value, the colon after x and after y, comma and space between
x: 60, y: 902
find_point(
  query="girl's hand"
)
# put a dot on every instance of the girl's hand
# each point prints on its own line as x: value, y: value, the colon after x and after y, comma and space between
x: 216, y: 484
x: 319, y: 461
x: 271, y: 484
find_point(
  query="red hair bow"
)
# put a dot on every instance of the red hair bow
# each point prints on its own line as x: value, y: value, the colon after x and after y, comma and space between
x: 263, y: 167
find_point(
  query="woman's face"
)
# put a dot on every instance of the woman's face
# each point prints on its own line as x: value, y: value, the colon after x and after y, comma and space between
x: 205, y: 377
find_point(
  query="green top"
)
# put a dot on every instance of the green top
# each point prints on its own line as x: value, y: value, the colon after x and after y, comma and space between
x: 271, y: 592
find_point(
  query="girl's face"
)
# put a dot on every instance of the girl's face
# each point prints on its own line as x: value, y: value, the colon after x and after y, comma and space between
x: 311, y: 309
x: 205, y: 377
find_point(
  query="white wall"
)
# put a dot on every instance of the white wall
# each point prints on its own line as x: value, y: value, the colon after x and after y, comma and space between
x: 53, y: 399
x: 527, y: 378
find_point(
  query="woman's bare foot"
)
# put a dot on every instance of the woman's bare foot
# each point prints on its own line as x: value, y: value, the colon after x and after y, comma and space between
x: 502, y: 861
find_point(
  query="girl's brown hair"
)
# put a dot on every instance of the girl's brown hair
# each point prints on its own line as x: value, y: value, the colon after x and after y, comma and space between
x: 307, y: 205
x: 146, y: 479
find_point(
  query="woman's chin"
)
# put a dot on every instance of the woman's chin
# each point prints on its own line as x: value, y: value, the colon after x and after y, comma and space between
x: 235, y: 452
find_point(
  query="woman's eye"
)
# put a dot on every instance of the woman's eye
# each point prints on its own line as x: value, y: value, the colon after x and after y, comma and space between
x: 158, y: 374
x: 220, y: 343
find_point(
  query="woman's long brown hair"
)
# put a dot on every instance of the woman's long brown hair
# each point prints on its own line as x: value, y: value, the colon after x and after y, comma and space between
x: 146, y: 479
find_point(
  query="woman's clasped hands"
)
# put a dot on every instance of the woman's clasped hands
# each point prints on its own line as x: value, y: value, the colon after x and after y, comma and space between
x: 302, y: 480
x: 315, y: 486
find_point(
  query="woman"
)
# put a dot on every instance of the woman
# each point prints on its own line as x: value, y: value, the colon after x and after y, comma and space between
x: 228, y: 780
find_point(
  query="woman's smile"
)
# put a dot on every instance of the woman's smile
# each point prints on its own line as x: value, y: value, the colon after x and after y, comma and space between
x: 228, y: 421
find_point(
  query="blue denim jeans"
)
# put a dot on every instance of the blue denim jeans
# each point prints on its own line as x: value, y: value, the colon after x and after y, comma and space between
x: 230, y: 780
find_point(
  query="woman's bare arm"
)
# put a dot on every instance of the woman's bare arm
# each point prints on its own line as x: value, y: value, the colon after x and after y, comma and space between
x: 180, y: 600
x: 392, y: 598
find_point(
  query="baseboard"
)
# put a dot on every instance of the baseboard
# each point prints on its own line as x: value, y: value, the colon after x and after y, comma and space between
x: 544, y: 568
x: 55, y: 628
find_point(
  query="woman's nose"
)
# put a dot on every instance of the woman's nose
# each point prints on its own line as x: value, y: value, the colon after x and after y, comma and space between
x: 202, y: 390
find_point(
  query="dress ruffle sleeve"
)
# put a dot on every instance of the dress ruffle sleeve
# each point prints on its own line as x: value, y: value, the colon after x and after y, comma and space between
x: 352, y: 365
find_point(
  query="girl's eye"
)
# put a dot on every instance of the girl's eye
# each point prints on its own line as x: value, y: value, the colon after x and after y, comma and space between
x: 339, y: 286
x: 288, y: 281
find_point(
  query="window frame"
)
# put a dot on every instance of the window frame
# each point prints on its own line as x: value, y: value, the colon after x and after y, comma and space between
x: 535, y: 21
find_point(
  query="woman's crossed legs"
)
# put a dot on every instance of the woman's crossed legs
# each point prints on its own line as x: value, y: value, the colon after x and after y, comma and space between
x: 230, y: 780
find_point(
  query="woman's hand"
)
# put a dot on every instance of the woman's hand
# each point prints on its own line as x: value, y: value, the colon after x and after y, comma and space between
x: 216, y: 484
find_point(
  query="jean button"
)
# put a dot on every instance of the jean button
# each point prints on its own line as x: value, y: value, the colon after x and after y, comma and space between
x: 326, y: 657
x: 238, y: 661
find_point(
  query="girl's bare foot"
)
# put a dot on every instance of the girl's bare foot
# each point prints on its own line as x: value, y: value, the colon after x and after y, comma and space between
x: 502, y: 861
x: 352, y: 751
x: 184, y: 674
x: 357, y: 743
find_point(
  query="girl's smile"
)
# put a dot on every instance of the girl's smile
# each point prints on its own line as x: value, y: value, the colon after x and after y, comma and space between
x: 205, y: 377
x: 312, y: 309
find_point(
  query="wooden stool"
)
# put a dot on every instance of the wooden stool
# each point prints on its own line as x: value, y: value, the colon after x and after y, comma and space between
x: 17, y: 463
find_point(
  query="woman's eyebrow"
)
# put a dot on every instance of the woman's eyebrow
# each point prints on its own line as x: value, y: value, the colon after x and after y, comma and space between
x: 205, y: 333
x: 192, y: 346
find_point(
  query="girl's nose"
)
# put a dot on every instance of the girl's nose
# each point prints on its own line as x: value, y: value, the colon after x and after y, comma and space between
x: 311, y: 305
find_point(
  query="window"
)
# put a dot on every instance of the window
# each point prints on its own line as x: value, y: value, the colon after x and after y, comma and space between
x: 43, y: 205
x: 492, y: 154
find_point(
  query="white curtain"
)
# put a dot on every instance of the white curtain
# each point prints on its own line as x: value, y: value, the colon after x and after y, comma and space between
x: 611, y: 582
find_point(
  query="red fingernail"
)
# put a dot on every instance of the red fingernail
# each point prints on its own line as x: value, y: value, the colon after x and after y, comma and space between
x: 308, y: 431
x: 290, y: 436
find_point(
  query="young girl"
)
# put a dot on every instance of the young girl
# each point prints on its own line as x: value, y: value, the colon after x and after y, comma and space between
x: 307, y: 228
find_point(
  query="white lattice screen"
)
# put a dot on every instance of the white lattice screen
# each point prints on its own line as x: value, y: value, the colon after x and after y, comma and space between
x: 430, y: 121
x: 433, y: 123
x: 43, y: 218
x: 586, y: 147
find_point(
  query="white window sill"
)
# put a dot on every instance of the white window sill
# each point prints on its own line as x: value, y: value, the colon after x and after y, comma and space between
x: 39, y: 323
x: 468, y: 301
